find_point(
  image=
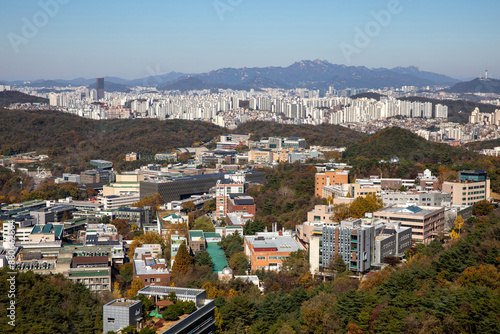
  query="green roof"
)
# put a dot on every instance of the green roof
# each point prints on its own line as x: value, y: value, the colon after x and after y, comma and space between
x: 89, y: 273
x: 212, y: 235
x: 218, y: 256
x: 196, y: 234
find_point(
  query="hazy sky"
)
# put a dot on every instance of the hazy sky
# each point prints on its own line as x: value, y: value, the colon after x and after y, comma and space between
x: 134, y: 39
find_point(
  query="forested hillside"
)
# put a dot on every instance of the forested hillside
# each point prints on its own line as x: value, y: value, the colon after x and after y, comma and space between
x: 49, y: 304
x: 76, y: 140
x: 287, y: 195
x: 9, y: 96
x: 325, y: 134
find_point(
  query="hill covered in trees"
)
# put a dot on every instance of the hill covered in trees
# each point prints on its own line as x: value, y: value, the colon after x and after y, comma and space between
x: 11, y: 96
x: 76, y: 140
x: 49, y: 304
x: 403, y: 144
x: 325, y: 134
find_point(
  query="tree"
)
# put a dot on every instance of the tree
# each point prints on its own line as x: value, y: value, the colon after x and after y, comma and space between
x: 203, y: 259
x: 238, y: 311
x: 231, y: 244
x: 239, y: 263
x: 252, y: 227
x: 209, y: 206
x: 127, y: 271
x: 188, y: 206
x: 136, y: 285
x: 183, y: 261
x: 295, y: 264
x: 154, y: 201
x: 170, y: 313
x: 459, y: 223
x: 482, y: 208
x: 91, y: 192
x: 338, y: 264
x: 172, y: 297
x: 144, y: 239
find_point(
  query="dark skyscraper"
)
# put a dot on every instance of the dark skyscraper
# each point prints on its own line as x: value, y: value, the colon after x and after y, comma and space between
x: 100, y: 88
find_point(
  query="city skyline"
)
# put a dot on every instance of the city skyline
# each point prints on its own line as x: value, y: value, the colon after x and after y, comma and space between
x: 62, y: 39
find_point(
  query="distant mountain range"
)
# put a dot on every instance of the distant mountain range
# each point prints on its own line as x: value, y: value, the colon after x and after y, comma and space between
x: 313, y: 74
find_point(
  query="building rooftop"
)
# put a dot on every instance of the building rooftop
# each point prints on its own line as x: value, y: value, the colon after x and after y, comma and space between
x: 146, y: 267
x: 166, y: 290
x: 410, y: 210
x: 90, y: 259
x: 123, y: 302
x: 218, y: 256
x: 88, y: 273
x: 278, y: 243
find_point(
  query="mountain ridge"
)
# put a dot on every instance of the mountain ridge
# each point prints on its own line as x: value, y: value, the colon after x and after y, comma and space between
x: 312, y: 74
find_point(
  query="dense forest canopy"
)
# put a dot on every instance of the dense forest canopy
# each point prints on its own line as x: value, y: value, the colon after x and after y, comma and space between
x: 10, y: 96
x: 324, y: 134
x: 77, y: 139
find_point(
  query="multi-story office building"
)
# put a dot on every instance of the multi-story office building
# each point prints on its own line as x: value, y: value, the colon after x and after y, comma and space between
x: 328, y: 178
x: 359, y: 242
x: 260, y: 156
x: 349, y: 239
x: 138, y: 216
x: 223, y: 189
x: 100, y: 88
x: 426, y: 222
x: 472, y: 187
x: 419, y: 198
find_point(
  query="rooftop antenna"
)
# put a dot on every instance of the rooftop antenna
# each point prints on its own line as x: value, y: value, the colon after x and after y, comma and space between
x: 486, y: 73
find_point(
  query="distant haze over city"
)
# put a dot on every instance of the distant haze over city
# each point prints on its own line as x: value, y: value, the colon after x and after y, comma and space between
x: 56, y: 39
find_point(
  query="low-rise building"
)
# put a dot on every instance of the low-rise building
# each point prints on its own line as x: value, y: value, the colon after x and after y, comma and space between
x: 121, y: 313
x: 267, y: 250
x: 151, y: 271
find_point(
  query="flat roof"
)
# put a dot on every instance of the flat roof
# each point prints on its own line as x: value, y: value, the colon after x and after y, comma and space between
x: 90, y: 259
x: 166, y: 290
x: 123, y: 302
x: 104, y: 272
x: 410, y: 211
x: 280, y: 243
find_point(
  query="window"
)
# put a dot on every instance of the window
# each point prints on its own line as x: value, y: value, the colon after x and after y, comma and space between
x: 111, y: 320
x: 261, y: 257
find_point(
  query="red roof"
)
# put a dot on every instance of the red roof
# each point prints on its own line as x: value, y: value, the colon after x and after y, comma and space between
x: 90, y: 259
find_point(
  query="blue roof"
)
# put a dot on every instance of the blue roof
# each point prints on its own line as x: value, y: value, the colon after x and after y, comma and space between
x: 412, y: 208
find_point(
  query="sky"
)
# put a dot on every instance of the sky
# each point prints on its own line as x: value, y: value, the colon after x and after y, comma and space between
x: 66, y: 39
